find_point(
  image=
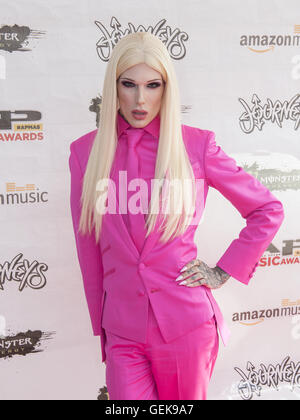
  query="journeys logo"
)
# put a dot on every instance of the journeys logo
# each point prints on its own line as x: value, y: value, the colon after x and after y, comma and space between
x: 23, y: 272
x: 22, y: 124
x: 257, y: 114
x: 173, y: 39
x: 18, y: 38
x: 23, y: 343
x: 270, y: 376
x: 265, y: 43
x: 19, y: 195
x: 254, y: 317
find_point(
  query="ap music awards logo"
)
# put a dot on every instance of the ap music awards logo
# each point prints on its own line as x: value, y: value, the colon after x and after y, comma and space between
x: 19, y: 125
x: 289, y: 255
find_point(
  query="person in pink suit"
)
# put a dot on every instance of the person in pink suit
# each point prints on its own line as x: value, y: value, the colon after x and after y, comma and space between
x: 149, y: 296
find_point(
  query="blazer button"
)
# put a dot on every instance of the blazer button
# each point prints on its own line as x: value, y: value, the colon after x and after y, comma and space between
x: 141, y: 293
x: 141, y: 266
x: 154, y: 290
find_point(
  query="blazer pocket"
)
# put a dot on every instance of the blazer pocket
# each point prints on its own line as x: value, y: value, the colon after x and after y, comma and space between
x: 108, y: 272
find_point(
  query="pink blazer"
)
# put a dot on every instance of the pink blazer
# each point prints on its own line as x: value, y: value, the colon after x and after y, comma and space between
x: 118, y: 280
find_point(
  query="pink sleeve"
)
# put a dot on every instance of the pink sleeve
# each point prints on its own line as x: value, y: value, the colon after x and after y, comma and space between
x: 89, y: 253
x: 262, y: 211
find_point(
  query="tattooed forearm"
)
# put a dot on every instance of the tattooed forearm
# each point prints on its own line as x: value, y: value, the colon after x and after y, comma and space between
x: 225, y: 276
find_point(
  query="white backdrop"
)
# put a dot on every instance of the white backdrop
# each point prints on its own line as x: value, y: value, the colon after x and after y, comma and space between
x: 238, y: 66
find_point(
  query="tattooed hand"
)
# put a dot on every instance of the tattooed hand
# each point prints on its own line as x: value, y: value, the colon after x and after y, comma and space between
x: 197, y: 273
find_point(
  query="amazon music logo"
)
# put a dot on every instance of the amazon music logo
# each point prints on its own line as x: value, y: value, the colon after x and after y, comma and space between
x: 23, y: 344
x: 266, y: 43
x: 25, y: 273
x: 257, y: 113
x: 18, y: 38
x: 23, y: 125
x: 288, y: 308
x: 22, y: 195
x: 253, y: 379
x: 174, y: 39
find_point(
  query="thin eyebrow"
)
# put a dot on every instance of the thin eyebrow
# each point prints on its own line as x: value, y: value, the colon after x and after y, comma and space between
x: 127, y: 78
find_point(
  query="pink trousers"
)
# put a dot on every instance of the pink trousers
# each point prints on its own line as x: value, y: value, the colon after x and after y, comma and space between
x: 156, y: 370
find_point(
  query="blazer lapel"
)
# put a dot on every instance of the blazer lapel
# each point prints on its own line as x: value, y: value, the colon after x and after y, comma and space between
x: 125, y: 235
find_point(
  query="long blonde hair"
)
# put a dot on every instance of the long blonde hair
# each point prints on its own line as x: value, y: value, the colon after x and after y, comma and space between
x: 172, y: 161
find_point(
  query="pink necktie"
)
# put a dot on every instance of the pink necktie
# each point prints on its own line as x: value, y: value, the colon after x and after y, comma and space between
x: 136, y: 222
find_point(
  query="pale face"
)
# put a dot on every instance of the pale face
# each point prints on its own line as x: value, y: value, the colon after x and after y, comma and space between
x: 140, y: 88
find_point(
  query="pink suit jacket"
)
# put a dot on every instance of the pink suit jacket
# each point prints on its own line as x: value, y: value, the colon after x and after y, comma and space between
x: 119, y: 281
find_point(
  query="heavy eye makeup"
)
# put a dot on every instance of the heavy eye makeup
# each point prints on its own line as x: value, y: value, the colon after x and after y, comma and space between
x: 130, y: 84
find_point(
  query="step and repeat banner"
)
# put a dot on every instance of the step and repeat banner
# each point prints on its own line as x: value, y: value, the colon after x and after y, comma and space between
x: 238, y: 68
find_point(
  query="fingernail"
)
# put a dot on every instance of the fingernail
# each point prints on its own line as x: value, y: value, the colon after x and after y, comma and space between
x: 183, y: 282
x: 179, y: 278
x: 183, y: 269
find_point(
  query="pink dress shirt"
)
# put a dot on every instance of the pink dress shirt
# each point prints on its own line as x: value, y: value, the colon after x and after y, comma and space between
x: 146, y: 150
